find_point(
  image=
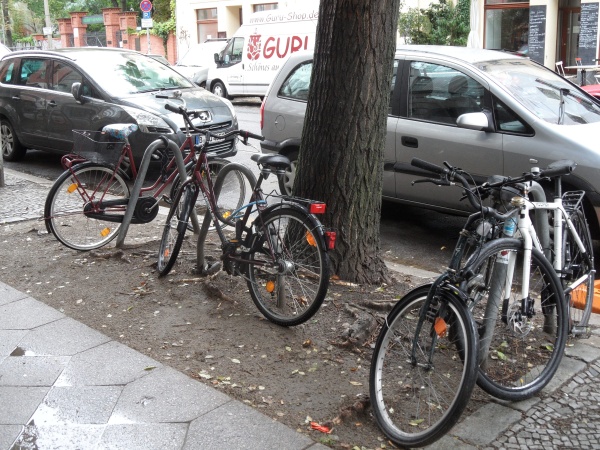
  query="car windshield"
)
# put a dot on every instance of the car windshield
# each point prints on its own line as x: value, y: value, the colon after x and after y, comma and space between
x: 543, y: 92
x: 202, y: 54
x: 124, y: 73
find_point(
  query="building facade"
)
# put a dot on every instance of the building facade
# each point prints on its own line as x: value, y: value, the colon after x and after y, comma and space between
x: 545, y: 30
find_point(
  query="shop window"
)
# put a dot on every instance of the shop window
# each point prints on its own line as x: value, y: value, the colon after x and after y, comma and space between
x: 265, y: 7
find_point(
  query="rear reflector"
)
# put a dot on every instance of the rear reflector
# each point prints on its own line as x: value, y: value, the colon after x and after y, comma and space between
x: 317, y: 208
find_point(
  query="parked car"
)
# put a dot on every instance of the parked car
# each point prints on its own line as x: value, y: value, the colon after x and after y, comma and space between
x: 593, y: 90
x: 4, y: 50
x: 198, y: 59
x: 44, y: 95
x: 486, y: 111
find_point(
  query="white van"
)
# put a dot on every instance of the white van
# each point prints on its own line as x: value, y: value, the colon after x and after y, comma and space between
x: 249, y: 62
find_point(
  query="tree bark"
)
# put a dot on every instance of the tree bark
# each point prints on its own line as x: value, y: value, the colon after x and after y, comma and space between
x: 7, y: 24
x: 341, y: 157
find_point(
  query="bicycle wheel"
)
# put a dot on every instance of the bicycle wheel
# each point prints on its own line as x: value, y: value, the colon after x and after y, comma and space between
x: 289, y: 289
x: 231, y: 196
x: 575, y: 266
x: 174, y: 230
x: 415, y: 402
x: 76, y: 212
x: 520, y: 347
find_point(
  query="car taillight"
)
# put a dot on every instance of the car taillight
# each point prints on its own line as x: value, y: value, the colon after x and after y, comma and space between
x: 262, y: 113
x: 317, y: 208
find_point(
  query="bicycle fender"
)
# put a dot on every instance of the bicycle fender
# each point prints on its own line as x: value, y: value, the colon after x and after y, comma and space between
x: 315, y: 223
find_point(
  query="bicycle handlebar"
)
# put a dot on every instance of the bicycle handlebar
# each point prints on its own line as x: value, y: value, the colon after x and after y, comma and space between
x: 449, y: 174
x: 195, y: 113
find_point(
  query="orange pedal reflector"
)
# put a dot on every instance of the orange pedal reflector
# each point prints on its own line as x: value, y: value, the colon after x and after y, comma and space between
x: 72, y: 187
x: 440, y: 327
x: 310, y: 239
x: 270, y: 286
x: 105, y: 232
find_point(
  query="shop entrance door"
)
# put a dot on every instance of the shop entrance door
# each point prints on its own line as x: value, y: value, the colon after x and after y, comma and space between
x: 568, y: 35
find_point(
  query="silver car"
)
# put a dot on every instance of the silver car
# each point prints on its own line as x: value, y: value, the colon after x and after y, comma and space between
x: 485, y: 111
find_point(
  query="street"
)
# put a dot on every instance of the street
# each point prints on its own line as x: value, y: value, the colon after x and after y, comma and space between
x: 407, y: 233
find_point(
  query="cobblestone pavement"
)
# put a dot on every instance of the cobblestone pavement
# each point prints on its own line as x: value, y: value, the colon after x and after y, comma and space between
x: 23, y: 197
x: 570, y: 418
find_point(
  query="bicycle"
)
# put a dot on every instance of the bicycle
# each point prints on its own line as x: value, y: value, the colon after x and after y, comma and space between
x: 85, y: 207
x: 425, y: 345
x: 282, y: 252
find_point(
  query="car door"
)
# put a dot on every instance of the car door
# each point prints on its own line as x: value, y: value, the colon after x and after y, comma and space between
x: 426, y: 129
x: 64, y: 113
x: 29, y: 100
x: 232, y: 68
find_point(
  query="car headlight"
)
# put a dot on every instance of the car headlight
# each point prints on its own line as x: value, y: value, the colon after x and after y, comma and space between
x: 148, y: 123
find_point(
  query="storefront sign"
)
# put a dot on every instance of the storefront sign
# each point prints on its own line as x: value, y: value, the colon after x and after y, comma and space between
x: 588, y: 34
x: 537, y: 32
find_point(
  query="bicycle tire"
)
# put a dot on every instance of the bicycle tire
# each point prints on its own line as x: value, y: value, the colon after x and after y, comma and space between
x: 290, y: 290
x: 575, y: 266
x: 231, y: 197
x: 415, y: 403
x: 175, y: 228
x: 64, y: 207
x: 518, y: 355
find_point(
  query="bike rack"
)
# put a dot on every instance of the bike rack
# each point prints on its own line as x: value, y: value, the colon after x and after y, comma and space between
x: 137, y: 186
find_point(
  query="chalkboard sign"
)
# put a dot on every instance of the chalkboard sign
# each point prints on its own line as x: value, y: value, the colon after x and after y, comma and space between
x: 588, y: 33
x: 537, y: 32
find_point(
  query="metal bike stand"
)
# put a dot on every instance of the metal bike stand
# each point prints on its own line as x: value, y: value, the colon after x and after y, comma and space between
x: 137, y: 186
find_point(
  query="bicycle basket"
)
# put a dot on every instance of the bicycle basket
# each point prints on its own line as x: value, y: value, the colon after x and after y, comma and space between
x: 96, y: 146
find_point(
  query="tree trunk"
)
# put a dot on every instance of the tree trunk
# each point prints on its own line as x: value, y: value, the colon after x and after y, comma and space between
x: 7, y: 24
x: 341, y: 157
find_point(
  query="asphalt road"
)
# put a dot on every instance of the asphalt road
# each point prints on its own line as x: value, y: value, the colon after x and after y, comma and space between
x: 409, y: 235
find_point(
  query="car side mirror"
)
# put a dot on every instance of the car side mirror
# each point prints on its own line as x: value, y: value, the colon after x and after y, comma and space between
x: 477, y: 121
x: 77, y: 91
x: 217, y: 58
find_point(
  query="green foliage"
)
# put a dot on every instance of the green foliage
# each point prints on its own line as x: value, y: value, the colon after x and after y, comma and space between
x: 443, y: 23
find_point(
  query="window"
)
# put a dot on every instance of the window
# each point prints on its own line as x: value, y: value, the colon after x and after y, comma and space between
x: 206, y: 20
x: 508, y: 121
x: 34, y: 72
x: 265, y: 7
x: 63, y: 77
x: 440, y: 94
x: 297, y: 83
x: 7, y: 72
x: 233, y: 52
x: 507, y: 27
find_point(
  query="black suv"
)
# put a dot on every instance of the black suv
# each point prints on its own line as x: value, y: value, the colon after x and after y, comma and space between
x: 39, y: 107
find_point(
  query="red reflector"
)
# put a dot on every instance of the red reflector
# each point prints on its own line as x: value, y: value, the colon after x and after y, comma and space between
x: 330, y: 237
x: 317, y: 208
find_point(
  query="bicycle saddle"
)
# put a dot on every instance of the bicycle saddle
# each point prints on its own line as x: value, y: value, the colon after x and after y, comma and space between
x: 277, y: 162
x: 120, y: 131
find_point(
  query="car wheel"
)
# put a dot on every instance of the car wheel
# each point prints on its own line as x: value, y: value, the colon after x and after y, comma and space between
x: 219, y: 90
x: 12, y: 149
x: 286, y: 181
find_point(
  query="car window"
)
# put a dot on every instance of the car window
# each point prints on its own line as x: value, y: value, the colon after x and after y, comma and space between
x: 123, y: 73
x: 297, y: 83
x: 7, y: 72
x: 508, y: 121
x: 441, y: 94
x: 233, y: 52
x: 544, y: 93
x: 34, y: 72
x: 63, y: 76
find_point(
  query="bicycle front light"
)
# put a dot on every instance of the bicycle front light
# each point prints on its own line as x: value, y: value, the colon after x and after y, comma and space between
x: 148, y: 123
